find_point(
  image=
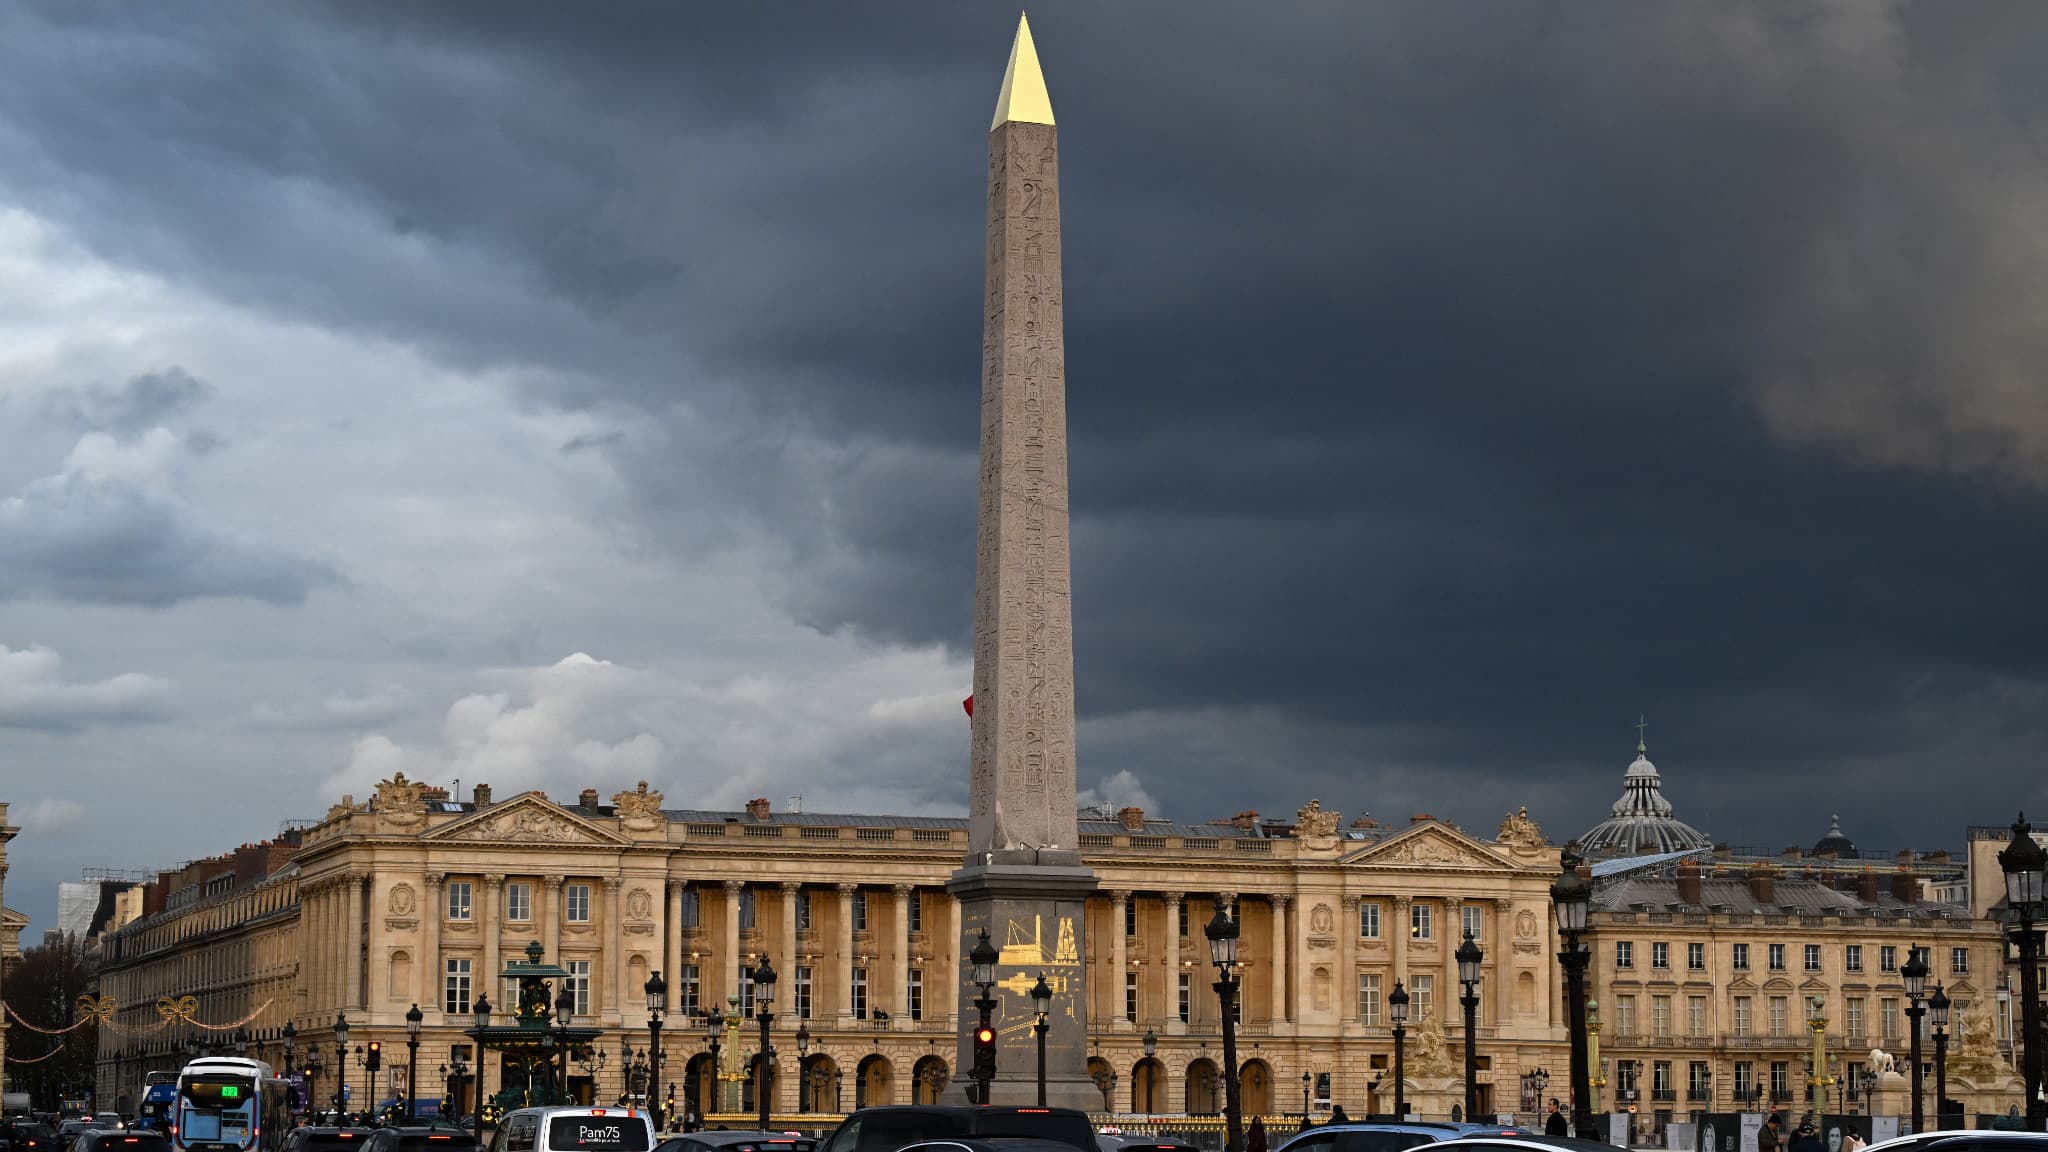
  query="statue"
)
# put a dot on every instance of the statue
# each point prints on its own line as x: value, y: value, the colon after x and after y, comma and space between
x: 1518, y: 831
x: 1314, y: 821
x: 347, y: 805
x: 1882, y: 1063
x: 1431, y: 1056
x: 401, y: 801
x: 639, y: 809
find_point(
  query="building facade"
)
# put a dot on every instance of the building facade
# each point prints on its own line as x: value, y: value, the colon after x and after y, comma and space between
x: 11, y: 924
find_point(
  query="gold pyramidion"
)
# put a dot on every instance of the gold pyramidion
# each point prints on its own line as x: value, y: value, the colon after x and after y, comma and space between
x: 1023, y: 99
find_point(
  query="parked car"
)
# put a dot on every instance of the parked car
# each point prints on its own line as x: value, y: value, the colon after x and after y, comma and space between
x: 890, y: 1128
x: 737, y: 1141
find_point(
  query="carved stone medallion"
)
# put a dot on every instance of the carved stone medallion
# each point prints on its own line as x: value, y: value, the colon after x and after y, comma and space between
x: 401, y: 900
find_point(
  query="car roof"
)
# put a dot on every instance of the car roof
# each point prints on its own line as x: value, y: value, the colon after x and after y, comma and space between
x: 994, y: 1143
x: 739, y: 1136
x: 1550, y: 1143
x: 1975, y: 1137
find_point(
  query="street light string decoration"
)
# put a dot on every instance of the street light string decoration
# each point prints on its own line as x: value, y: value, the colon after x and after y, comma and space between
x: 103, y: 1010
x: 61, y: 1045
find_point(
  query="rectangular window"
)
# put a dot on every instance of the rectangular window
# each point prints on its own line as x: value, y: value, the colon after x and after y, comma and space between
x: 458, y: 899
x: 1369, y: 999
x: 1625, y: 1015
x: 578, y: 897
x: 1130, y: 917
x: 1182, y: 921
x: 689, y: 916
x: 860, y: 911
x: 1777, y: 957
x: 518, y: 902
x: 1421, y: 996
x: 1660, y: 1017
x: 1624, y: 954
x: 1626, y: 1075
x: 1852, y: 1017
x: 747, y: 910
x: 1368, y: 920
x: 1419, y: 925
x: 916, y: 909
x: 1776, y: 1007
x: 1696, y: 957
x: 1888, y: 1017
x: 1812, y: 955
x: 859, y: 994
x: 1781, y: 1080
x: 1738, y: 957
x: 746, y: 991
x: 1745, y: 1079
x: 1696, y: 1016
x: 1959, y: 961
x: 1660, y: 1080
x: 578, y: 981
x: 801, y: 998
x: 687, y: 995
x: 1887, y: 958
x: 1696, y: 1080
x: 1187, y: 996
x: 1743, y: 1023
x: 1660, y: 955
x: 803, y: 909
x: 1131, y: 997
x: 1852, y: 958
x: 917, y: 993
x: 455, y: 997
x: 1474, y: 918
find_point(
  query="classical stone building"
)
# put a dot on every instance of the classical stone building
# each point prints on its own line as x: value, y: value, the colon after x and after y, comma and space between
x: 11, y: 924
x: 413, y: 897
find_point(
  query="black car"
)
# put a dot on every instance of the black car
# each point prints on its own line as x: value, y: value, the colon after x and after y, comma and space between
x: 327, y: 1138
x: 988, y: 1144
x: 113, y: 1140
x: 1130, y: 1142
x: 888, y: 1129
x: 23, y: 1135
x: 737, y: 1141
x: 422, y: 1138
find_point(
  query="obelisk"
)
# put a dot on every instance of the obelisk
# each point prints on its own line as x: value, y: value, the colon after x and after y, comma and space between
x: 1023, y: 880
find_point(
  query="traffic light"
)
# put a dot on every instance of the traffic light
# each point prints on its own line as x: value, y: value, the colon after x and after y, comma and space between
x: 375, y: 1060
x: 984, y: 1053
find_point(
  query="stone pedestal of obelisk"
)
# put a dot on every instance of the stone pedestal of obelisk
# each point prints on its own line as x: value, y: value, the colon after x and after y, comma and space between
x: 1024, y: 880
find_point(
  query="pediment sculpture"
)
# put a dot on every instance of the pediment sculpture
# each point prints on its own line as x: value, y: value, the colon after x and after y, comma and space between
x: 1519, y: 831
x: 401, y: 801
x: 640, y: 809
x: 526, y: 823
x: 1314, y: 821
x: 1425, y: 849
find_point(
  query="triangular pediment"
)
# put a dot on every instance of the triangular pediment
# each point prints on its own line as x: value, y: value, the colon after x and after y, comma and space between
x: 527, y: 819
x: 1430, y: 846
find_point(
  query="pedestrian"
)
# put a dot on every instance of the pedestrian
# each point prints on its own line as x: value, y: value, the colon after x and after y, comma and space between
x: 1556, y: 1125
x: 1337, y: 1115
x: 1767, y: 1136
x: 1853, y: 1141
x: 1255, y: 1140
x: 1806, y: 1139
x: 1304, y: 1123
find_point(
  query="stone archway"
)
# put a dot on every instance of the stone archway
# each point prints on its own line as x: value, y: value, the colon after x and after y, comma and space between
x: 871, y: 1085
x: 1148, y: 1086
x: 700, y: 1084
x: 1255, y: 1088
x: 1099, y: 1070
x: 928, y: 1080
x: 818, y: 1087
x: 1202, y: 1086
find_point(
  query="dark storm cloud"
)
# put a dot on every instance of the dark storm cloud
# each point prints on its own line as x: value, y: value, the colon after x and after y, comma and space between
x: 1448, y: 382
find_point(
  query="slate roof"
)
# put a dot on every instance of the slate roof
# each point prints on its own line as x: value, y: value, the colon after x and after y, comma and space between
x: 1791, y: 896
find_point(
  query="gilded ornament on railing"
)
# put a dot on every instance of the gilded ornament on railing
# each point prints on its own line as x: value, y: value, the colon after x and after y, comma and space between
x: 1316, y: 821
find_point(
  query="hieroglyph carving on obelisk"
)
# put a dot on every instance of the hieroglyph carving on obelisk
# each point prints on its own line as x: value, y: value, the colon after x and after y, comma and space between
x: 1021, y: 806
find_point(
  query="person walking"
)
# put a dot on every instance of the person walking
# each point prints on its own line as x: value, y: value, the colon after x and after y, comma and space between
x: 1556, y: 1125
x: 1255, y: 1140
x: 1767, y: 1136
x: 1806, y: 1139
x: 1853, y: 1141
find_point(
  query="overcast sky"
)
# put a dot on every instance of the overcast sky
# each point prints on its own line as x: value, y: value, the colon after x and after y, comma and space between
x: 557, y: 395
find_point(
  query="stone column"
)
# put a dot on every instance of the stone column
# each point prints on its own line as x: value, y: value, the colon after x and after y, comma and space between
x: 1448, y: 988
x: 614, y: 932
x: 1166, y: 1008
x: 1397, y: 938
x: 1282, y: 1008
x: 792, y: 955
x: 953, y: 961
x: 842, y: 997
x: 1119, y: 902
x: 672, y: 945
x: 734, y: 963
x: 352, y: 940
x: 425, y: 986
x: 488, y: 929
x: 899, y: 1011
x: 1347, y: 961
x: 551, y: 917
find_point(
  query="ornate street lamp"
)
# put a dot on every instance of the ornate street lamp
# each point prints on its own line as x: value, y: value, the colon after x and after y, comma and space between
x: 804, y: 1080
x: 1572, y: 897
x: 1938, y: 1005
x: 413, y: 1019
x: 291, y: 1045
x: 565, y: 1012
x: 764, y: 1001
x: 340, y: 1060
x: 1306, y: 1080
x: 1914, y: 972
x: 714, y: 1031
x: 1222, y: 933
x: 1041, y: 1001
x: 2025, y: 864
x: 1397, y: 1011
x: 657, y: 1003
x: 1469, y: 955
x: 983, y: 959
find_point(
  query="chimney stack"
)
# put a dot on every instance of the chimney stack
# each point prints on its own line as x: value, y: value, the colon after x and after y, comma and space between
x: 587, y: 798
x: 1763, y: 883
x: 1689, y: 887
x: 1905, y: 886
x: 758, y: 808
x: 1131, y: 819
x: 483, y: 796
x: 1866, y: 886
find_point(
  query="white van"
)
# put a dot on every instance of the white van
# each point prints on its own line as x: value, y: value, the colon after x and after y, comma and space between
x: 575, y: 1129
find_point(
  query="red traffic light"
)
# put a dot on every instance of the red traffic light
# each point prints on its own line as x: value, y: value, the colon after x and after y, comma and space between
x: 984, y: 1036
x: 376, y: 1045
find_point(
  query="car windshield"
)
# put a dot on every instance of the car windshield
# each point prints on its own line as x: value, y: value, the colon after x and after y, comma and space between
x: 598, y: 1133
x: 1039, y: 1124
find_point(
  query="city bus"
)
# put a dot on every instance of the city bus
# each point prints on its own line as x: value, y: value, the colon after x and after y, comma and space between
x: 159, y: 1092
x: 229, y: 1104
